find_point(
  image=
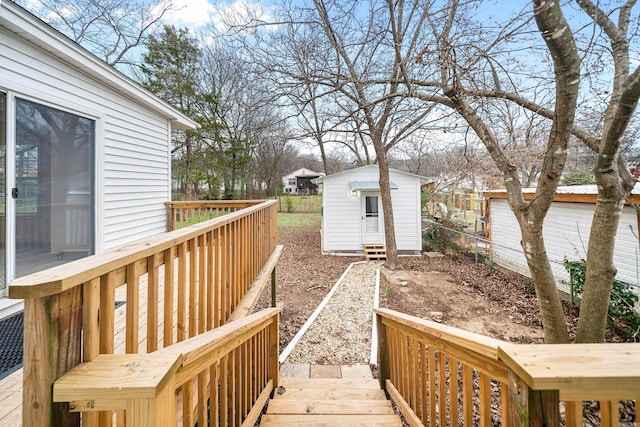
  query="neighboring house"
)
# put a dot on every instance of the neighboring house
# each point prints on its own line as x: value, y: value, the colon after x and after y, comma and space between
x: 85, y: 151
x: 566, y: 232
x: 352, y: 211
x: 301, y: 182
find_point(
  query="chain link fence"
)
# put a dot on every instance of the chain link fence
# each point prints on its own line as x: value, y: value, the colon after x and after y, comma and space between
x: 455, y: 237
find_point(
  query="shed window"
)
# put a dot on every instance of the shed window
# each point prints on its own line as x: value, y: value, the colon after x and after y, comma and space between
x: 371, y: 206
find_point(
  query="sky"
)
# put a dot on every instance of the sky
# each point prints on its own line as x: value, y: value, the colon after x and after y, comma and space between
x: 193, y: 14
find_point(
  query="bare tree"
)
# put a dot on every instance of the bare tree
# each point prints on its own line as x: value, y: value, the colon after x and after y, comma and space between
x: 363, y: 72
x: 272, y: 158
x: 109, y: 29
x: 468, y: 66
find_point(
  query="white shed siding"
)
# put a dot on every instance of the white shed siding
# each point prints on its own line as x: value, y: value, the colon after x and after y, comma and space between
x: 132, y: 140
x: 406, y: 211
x: 566, y: 233
x: 341, y: 215
x: 342, y: 220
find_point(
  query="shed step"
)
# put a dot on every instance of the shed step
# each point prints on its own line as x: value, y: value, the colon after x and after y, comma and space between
x: 374, y: 252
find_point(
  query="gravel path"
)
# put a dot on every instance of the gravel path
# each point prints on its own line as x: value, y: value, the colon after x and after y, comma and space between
x: 341, y: 334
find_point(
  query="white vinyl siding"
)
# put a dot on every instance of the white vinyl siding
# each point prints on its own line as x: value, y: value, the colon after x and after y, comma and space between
x: 341, y: 216
x: 566, y: 233
x: 132, y: 149
x: 342, y: 211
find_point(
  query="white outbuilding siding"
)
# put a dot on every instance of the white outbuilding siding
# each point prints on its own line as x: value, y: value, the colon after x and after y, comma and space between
x: 342, y: 218
x: 566, y: 234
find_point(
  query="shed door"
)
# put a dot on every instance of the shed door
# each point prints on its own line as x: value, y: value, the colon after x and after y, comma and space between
x: 372, y: 230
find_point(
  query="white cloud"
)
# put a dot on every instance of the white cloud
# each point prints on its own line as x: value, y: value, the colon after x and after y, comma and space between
x: 197, y: 13
x: 190, y: 13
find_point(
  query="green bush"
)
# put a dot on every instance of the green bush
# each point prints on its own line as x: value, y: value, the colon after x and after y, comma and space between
x: 624, y: 299
x: 439, y: 237
x: 288, y: 204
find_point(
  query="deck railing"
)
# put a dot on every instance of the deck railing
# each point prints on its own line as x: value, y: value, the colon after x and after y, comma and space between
x: 182, y: 214
x: 439, y: 375
x: 176, y: 286
x: 220, y: 378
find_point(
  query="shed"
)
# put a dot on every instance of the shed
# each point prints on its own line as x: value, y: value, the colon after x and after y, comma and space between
x: 301, y: 182
x: 86, y: 153
x: 352, y: 211
x: 566, y: 232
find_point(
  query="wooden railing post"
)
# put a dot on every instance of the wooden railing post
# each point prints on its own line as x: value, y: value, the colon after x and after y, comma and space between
x: 274, y: 350
x: 159, y: 411
x: 273, y: 287
x: 527, y: 407
x: 52, y: 346
x: 170, y: 216
x: 383, y: 355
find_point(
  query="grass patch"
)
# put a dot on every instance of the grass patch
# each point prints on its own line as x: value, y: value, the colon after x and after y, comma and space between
x: 286, y: 220
x: 299, y: 204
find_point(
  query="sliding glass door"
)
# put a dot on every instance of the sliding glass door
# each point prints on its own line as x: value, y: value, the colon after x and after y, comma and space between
x: 53, y: 189
x: 3, y: 188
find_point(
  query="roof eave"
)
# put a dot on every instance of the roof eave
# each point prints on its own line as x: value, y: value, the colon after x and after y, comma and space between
x: 32, y: 29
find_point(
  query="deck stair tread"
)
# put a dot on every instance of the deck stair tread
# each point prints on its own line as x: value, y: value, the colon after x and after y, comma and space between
x: 374, y: 252
x: 269, y: 420
x: 324, y: 383
x: 330, y: 402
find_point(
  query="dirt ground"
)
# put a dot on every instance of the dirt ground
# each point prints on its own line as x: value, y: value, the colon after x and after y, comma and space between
x: 469, y: 296
x: 475, y: 302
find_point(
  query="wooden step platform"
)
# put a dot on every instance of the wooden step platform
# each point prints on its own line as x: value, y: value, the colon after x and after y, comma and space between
x: 330, y: 402
x: 374, y: 252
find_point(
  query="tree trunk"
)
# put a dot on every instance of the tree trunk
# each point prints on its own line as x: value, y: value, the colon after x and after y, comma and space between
x: 553, y: 318
x: 393, y: 261
x: 600, y: 269
x: 188, y: 179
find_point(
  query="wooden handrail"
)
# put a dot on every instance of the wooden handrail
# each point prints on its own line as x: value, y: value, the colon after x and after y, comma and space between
x: 66, y: 276
x: 144, y: 385
x: 421, y: 363
x: 183, y: 213
x: 176, y: 286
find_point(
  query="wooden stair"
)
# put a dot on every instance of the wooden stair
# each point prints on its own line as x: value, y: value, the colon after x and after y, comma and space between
x: 317, y: 402
x: 375, y: 252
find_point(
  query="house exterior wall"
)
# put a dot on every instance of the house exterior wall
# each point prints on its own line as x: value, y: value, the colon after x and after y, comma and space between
x: 291, y: 183
x: 131, y: 141
x: 342, y: 220
x: 566, y: 233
